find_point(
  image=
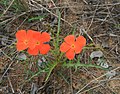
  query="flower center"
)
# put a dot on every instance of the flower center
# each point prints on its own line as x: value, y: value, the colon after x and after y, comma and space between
x: 26, y: 42
x: 37, y: 43
x: 72, y: 46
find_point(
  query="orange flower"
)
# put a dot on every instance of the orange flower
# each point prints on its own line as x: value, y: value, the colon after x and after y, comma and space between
x: 72, y: 46
x: 39, y: 43
x: 23, y: 39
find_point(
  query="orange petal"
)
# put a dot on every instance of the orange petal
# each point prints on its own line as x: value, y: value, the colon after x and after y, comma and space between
x: 30, y: 34
x: 70, y: 54
x: 45, y: 37
x: 21, y: 35
x: 34, y: 51
x: 70, y: 39
x: 31, y: 41
x: 44, y: 48
x: 64, y: 47
x: 21, y: 46
x: 34, y: 39
x: 81, y: 41
x: 78, y: 48
x: 37, y: 35
x: 32, y: 44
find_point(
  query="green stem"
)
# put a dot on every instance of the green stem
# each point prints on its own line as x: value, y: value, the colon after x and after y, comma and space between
x: 51, y: 69
x: 36, y: 74
x: 58, y: 31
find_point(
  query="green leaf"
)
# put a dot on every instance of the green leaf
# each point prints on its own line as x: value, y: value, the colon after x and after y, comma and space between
x: 75, y: 65
x: 36, y: 18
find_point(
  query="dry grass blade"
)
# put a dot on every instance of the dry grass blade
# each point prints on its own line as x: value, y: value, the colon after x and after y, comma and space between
x: 8, y: 8
x: 94, y: 81
x: 11, y: 84
x: 51, y: 12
